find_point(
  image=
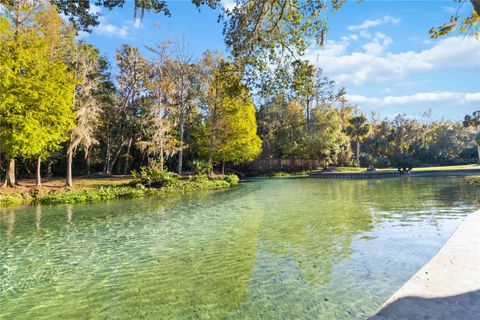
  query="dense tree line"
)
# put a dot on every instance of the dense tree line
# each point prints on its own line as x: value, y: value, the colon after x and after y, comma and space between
x: 165, y: 108
x: 339, y: 136
x: 61, y: 105
x: 312, y: 119
x: 408, y: 140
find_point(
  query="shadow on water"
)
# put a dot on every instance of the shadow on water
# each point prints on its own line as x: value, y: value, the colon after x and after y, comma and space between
x: 465, y: 306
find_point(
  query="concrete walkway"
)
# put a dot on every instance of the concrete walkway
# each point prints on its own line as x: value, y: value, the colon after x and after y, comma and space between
x: 393, y: 174
x: 448, y: 286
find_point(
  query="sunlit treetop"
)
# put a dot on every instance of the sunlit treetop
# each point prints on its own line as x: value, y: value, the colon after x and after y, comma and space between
x: 470, y: 25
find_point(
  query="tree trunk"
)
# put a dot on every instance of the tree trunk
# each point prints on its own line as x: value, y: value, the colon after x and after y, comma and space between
x: 212, y: 132
x: 10, y: 175
x: 308, y: 114
x: 89, y: 164
x: 69, y: 181
x: 223, y: 167
x: 161, y: 155
x: 39, y: 175
x: 119, y: 166
x: 114, y: 160
x: 180, y: 153
x: 127, y: 157
x: 107, y: 158
x: 358, y: 153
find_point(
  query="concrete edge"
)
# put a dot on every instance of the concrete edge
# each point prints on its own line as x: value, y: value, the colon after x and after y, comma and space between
x: 453, y: 271
x: 393, y: 174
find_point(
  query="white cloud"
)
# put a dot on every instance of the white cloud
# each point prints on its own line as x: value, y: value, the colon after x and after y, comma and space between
x: 228, y: 4
x: 451, y: 98
x: 472, y: 97
x: 367, y: 24
x: 379, y: 43
x: 349, y: 38
x: 110, y: 30
x: 374, y: 65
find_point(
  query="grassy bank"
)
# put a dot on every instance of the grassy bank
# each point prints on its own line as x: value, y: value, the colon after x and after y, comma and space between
x: 358, y: 169
x: 96, y: 190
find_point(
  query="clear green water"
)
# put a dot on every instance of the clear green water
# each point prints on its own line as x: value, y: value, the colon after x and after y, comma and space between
x: 270, y: 249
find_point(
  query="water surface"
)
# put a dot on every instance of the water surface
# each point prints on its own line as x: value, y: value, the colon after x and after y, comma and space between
x: 271, y: 249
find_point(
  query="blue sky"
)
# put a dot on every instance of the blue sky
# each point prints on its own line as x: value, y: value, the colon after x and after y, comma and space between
x: 379, y: 50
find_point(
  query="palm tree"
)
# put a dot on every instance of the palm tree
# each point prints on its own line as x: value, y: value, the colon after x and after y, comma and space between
x: 473, y: 121
x: 358, y: 128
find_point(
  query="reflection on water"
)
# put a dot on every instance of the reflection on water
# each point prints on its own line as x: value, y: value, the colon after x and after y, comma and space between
x: 273, y: 248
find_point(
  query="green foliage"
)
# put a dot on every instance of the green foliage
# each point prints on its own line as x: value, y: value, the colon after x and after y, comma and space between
x: 85, y: 196
x: 292, y: 134
x: 7, y: 200
x: 239, y: 133
x: 36, y: 91
x: 358, y: 128
x: 285, y: 133
x: 472, y: 120
x: 405, y: 139
x: 378, y: 162
x: 266, y: 33
x: 469, y: 26
x: 139, y: 191
x: 80, y: 13
x: 232, y: 179
x: 229, y: 133
x: 326, y: 139
x: 280, y: 174
x: 154, y: 177
x: 201, y: 167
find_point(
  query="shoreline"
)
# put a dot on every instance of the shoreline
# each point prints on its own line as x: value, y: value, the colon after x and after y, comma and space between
x: 446, y: 287
x: 100, y: 193
x: 393, y: 174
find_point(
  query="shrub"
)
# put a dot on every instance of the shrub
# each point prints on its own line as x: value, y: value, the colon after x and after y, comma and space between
x: 201, y: 167
x: 366, y: 160
x: 382, y: 162
x: 280, y: 174
x: 154, y: 177
x: 232, y: 179
x: 9, y: 200
x: 199, y: 178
